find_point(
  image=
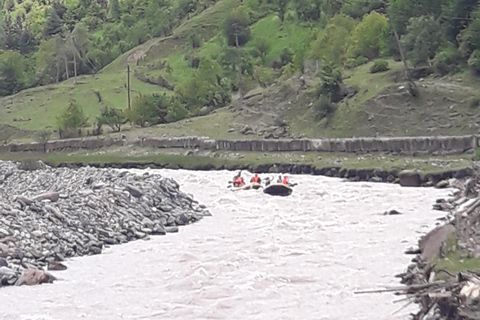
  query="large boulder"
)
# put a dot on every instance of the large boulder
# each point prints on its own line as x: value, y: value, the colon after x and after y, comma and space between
x: 432, y: 243
x: 31, y: 277
x: 410, y: 178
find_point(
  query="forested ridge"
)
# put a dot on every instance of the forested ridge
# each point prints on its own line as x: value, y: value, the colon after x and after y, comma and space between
x: 44, y: 42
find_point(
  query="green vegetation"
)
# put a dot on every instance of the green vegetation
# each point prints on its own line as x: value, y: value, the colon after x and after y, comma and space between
x: 177, y: 156
x: 198, y: 54
x: 454, y: 260
x: 379, y: 66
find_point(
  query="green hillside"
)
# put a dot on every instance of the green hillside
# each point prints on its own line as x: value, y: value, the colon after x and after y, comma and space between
x: 306, y: 67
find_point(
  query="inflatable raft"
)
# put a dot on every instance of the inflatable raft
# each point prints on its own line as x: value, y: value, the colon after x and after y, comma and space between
x: 249, y: 186
x: 278, y: 189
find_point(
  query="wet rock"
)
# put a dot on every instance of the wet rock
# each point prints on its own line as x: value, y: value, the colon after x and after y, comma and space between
x: 442, y: 184
x: 409, y: 178
x: 171, y: 229
x: 56, y: 266
x: 134, y: 191
x: 32, y: 277
x: 391, y: 212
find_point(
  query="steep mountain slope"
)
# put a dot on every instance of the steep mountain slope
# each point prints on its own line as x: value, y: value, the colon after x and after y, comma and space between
x: 279, y: 101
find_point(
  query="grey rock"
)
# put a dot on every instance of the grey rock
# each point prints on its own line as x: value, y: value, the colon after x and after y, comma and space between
x: 442, y: 184
x: 57, y: 214
x: 409, y: 178
x: 171, y: 229
x: 134, y: 191
x: 56, y: 266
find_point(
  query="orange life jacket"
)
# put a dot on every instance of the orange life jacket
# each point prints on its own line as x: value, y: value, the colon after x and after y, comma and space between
x: 285, y: 180
x: 256, y: 179
x: 237, y: 181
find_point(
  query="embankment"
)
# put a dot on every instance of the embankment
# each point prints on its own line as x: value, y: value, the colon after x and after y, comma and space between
x: 404, y: 146
x: 400, y: 145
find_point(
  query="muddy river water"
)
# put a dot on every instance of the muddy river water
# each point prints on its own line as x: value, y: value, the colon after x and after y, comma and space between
x: 257, y: 257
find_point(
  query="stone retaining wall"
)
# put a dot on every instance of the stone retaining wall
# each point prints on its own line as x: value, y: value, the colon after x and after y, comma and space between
x: 61, y: 145
x: 401, y: 145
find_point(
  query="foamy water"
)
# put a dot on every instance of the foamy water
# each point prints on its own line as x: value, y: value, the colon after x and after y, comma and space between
x: 258, y: 257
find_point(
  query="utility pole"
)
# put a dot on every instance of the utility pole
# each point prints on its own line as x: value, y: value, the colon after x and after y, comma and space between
x: 406, y: 72
x: 128, y: 84
x: 239, y: 70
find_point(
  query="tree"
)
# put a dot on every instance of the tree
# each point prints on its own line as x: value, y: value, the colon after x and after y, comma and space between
x: 331, y: 82
x: 470, y: 36
x: 12, y: 72
x: 237, y: 29
x: 148, y: 110
x: 281, y: 8
x: 72, y: 117
x: 15, y: 36
x: 308, y: 10
x: 237, y: 33
x: 424, y: 37
x: 206, y: 87
x: 260, y: 48
x: 356, y: 9
x: 176, y: 111
x: 112, y: 117
x: 400, y: 11
x: 47, y: 61
x: 368, y: 36
x: 330, y: 44
x: 457, y: 17
x: 114, y: 10
x: 54, y: 23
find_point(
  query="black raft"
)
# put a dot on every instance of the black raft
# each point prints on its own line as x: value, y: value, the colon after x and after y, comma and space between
x: 278, y: 189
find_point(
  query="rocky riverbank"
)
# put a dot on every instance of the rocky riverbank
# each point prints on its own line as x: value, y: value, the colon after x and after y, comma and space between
x: 50, y: 214
x: 450, y: 291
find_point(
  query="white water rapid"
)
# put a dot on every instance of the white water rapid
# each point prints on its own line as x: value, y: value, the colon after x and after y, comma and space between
x: 257, y: 257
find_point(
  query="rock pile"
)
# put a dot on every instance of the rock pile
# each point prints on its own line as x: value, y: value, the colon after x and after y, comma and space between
x: 442, y: 294
x: 50, y: 214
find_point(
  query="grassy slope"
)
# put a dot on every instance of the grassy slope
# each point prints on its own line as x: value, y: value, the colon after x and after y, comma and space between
x: 364, y: 114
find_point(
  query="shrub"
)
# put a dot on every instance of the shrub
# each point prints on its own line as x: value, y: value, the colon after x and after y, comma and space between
x: 111, y: 117
x: 447, y: 61
x: 260, y: 49
x: 379, y: 66
x: 72, y: 117
x: 474, y: 62
x: 332, y: 83
x: 176, y: 111
x: 324, y: 107
x: 353, y: 63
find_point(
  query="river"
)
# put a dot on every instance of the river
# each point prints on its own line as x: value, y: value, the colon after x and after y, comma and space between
x: 257, y: 257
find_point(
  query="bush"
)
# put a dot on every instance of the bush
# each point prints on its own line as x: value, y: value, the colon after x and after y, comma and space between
x: 474, y: 62
x: 353, y: 63
x: 286, y: 56
x: 332, y: 83
x: 324, y: 107
x: 148, y: 110
x: 260, y: 49
x: 72, y: 117
x: 379, y: 66
x: 447, y: 61
x: 111, y: 117
x: 176, y: 111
